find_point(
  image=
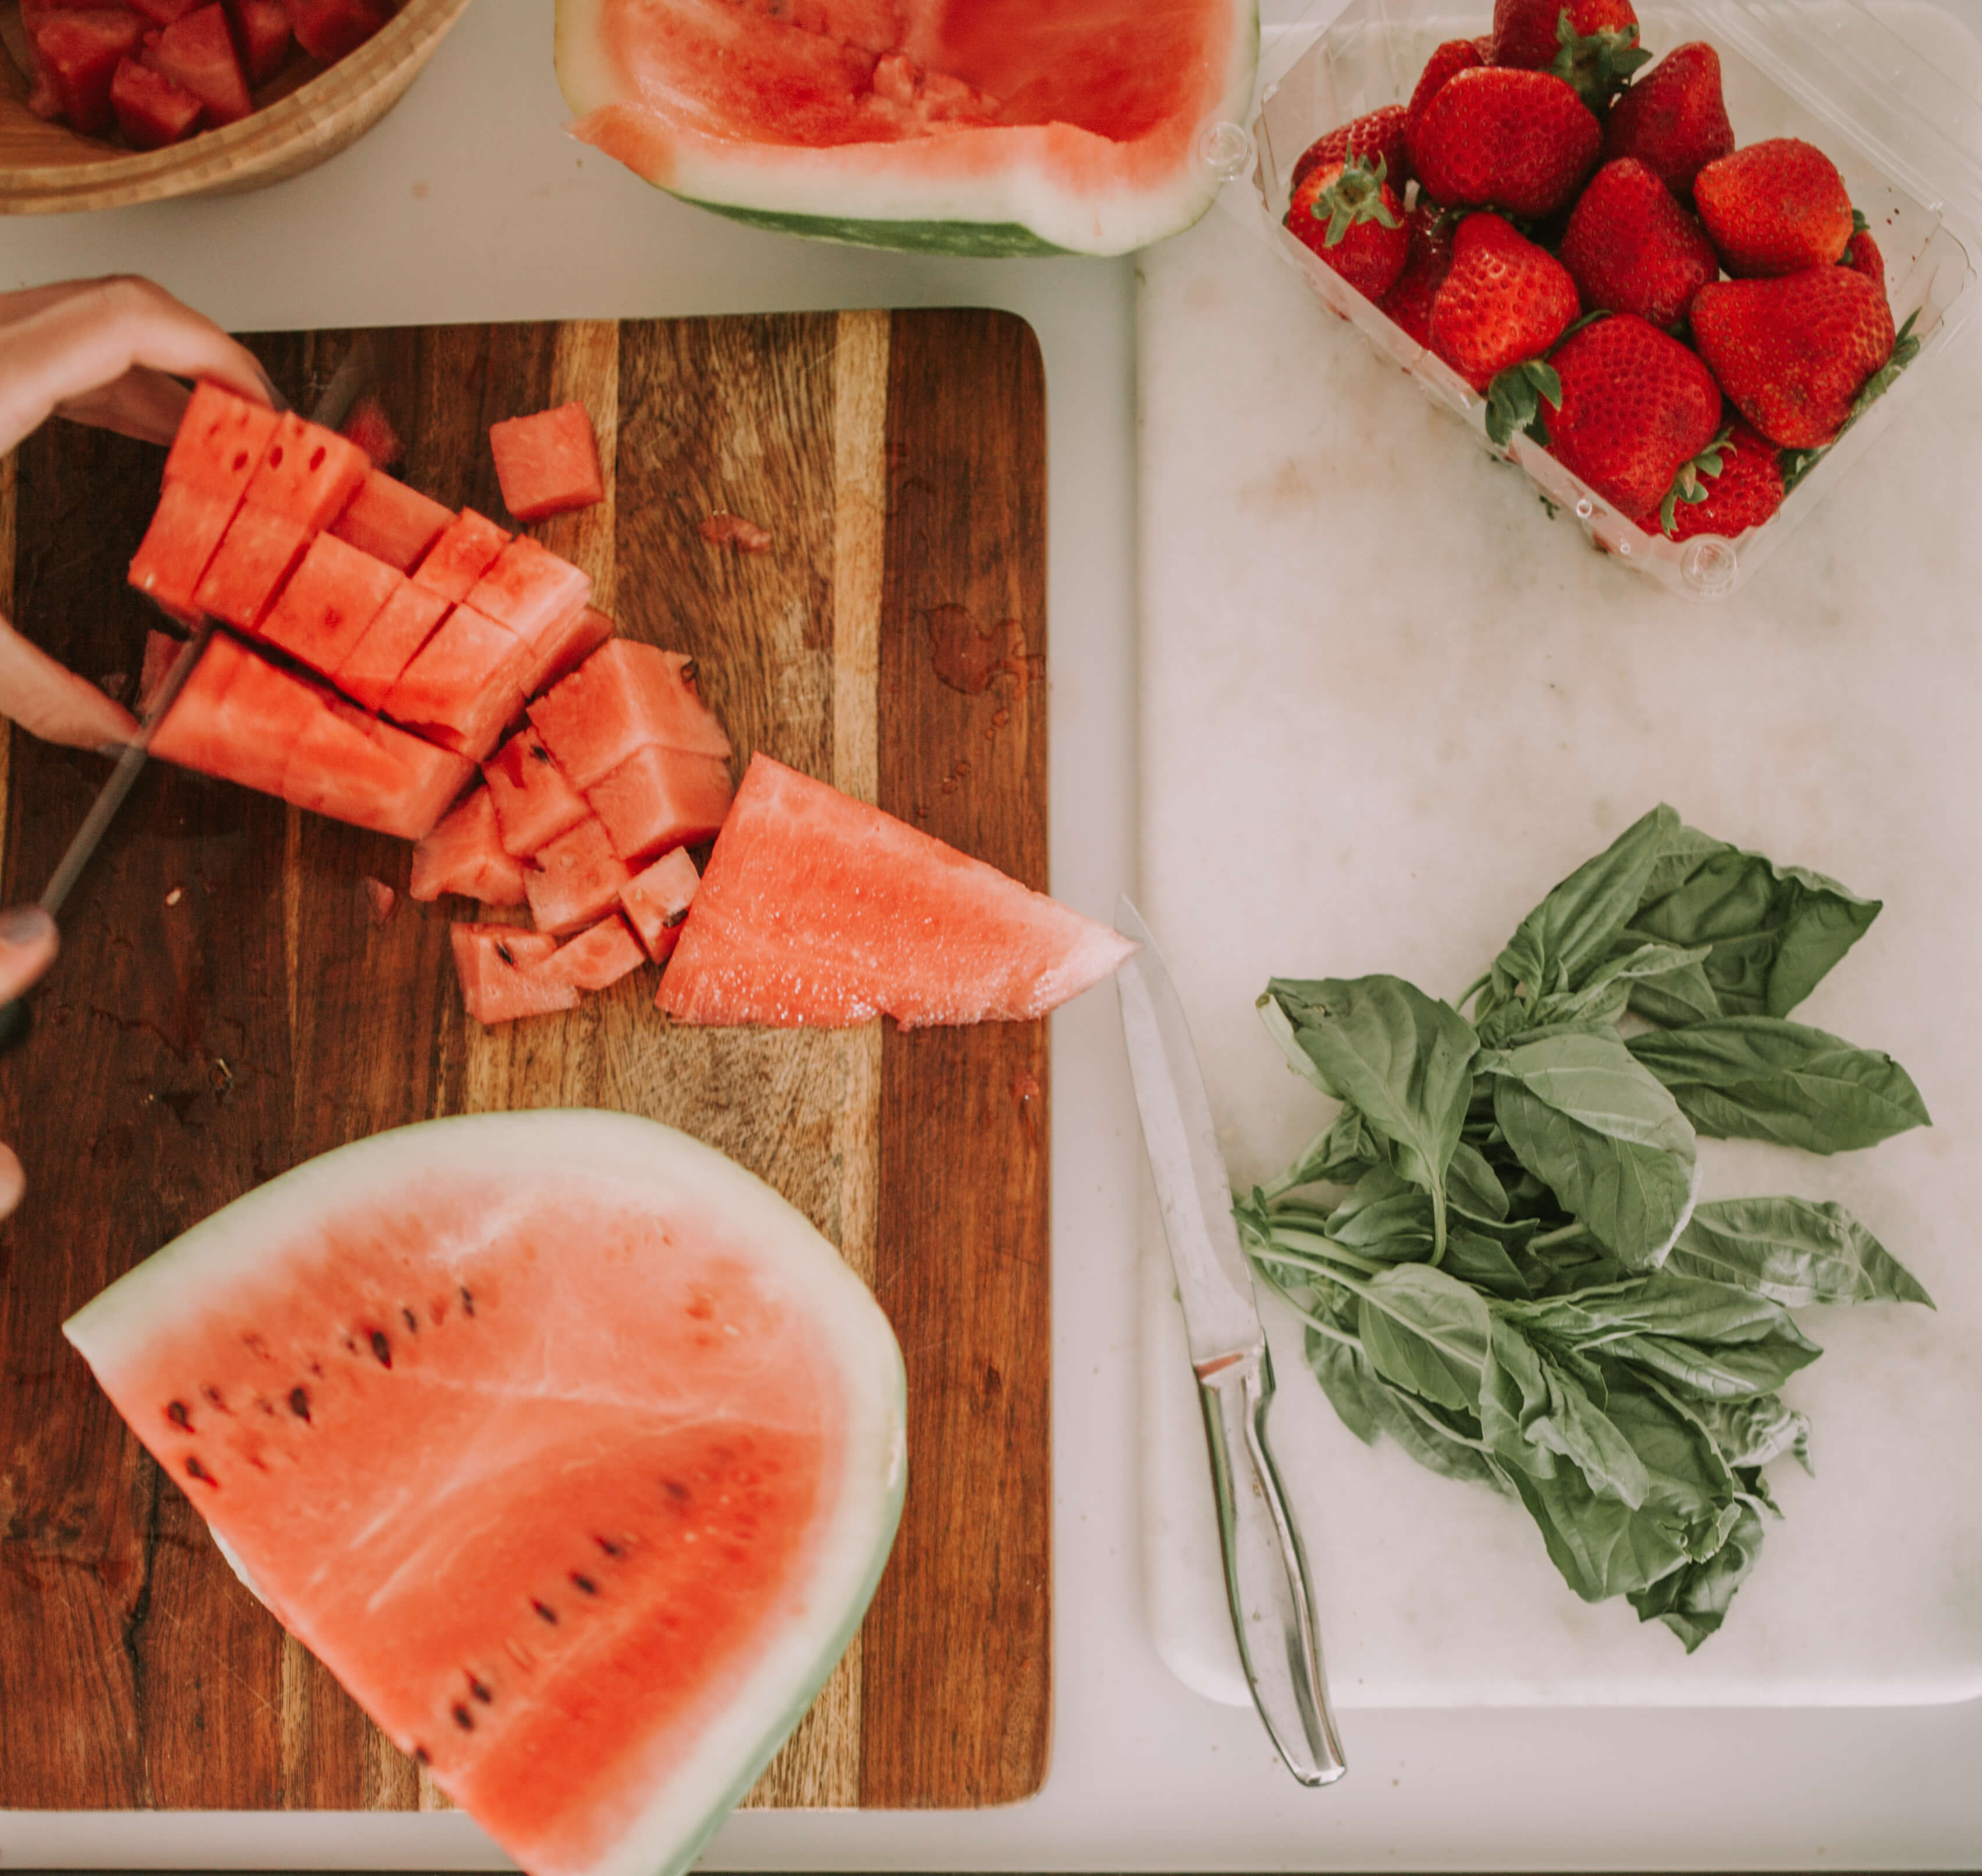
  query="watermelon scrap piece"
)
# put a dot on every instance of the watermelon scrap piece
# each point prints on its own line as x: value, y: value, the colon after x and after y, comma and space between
x: 79, y: 50
x: 405, y: 623
x: 624, y: 697
x: 529, y: 589
x: 336, y: 592
x: 370, y: 429
x: 548, y: 463
x: 381, y: 900
x: 461, y: 687
x: 354, y: 768
x: 186, y: 529
x: 237, y: 717
x: 657, y: 899
x: 259, y: 551
x: 163, y: 12
x: 261, y: 36
x: 151, y: 111
x: 392, y: 522
x: 220, y: 441
x: 724, y: 529
x: 466, y: 549
x: 662, y: 798
x: 817, y: 909
x: 534, y: 803
x: 501, y: 974
x: 566, y: 646
x: 161, y: 651
x: 597, y: 958
x: 575, y: 880
x: 197, y: 53
x: 327, y: 29
x: 307, y: 473
x: 462, y: 854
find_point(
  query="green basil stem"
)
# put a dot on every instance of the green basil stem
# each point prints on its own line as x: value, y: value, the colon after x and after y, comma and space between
x: 1323, y: 1252
x: 1561, y: 1234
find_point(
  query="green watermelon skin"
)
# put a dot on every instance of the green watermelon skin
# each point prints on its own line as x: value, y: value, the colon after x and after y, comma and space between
x: 966, y: 240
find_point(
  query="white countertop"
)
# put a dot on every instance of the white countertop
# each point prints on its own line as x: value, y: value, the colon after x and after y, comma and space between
x: 467, y: 203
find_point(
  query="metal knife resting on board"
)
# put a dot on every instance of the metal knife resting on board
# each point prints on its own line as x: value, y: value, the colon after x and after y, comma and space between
x: 1266, y: 1570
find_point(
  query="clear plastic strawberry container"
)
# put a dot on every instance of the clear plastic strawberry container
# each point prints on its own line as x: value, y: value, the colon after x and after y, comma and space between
x: 1904, y: 135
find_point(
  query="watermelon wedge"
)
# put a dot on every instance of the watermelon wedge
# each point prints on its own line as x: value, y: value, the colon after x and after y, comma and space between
x: 1004, y: 127
x: 572, y: 1450
x: 463, y: 854
x: 657, y: 899
x: 817, y: 909
x: 597, y: 958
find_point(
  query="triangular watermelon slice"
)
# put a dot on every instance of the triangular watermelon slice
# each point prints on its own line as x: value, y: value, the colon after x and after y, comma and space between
x: 817, y: 909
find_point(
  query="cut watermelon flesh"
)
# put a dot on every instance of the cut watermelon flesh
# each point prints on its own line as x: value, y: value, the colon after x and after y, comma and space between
x: 392, y: 522
x: 661, y: 798
x: 466, y: 549
x: 565, y: 646
x: 259, y: 551
x: 1002, y: 127
x: 161, y: 651
x: 220, y: 442
x: 548, y: 463
x: 500, y: 970
x: 657, y: 901
x: 79, y: 50
x: 625, y: 697
x: 370, y: 429
x: 575, y: 880
x: 327, y: 29
x: 622, y: 1342
x: 818, y: 909
x: 237, y: 717
x: 597, y: 958
x: 408, y: 619
x: 197, y: 53
x: 461, y: 688
x: 186, y: 528
x: 463, y: 854
x: 262, y: 30
x: 336, y: 591
x: 152, y: 111
x: 307, y: 473
x: 529, y: 589
x: 533, y: 802
x: 163, y: 12
x: 354, y: 768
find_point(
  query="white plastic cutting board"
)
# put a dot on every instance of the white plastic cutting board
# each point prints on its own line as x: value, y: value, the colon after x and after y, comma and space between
x: 1386, y: 704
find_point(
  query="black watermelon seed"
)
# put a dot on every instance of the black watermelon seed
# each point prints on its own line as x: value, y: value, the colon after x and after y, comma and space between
x: 382, y: 1348
x: 584, y: 1583
x: 463, y: 1718
x: 178, y: 1415
x: 467, y: 1299
x: 479, y: 1688
x: 195, y: 1471
x: 503, y: 952
x: 422, y: 1755
x: 544, y: 1609
x: 607, y: 1545
x: 299, y: 1402
x: 412, y: 1322
x: 675, y: 1490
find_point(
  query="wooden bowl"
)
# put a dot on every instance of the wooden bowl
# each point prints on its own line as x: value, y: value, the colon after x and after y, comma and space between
x: 46, y: 169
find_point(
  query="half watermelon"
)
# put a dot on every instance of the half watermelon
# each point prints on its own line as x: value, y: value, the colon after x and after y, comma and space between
x: 1003, y: 127
x: 572, y: 1450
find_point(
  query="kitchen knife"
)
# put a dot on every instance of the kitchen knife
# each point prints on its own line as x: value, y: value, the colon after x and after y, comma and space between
x: 1266, y: 1571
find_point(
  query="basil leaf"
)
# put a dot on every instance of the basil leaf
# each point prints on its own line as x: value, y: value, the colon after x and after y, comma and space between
x: 1476, y: 1259
x: 1529, y: 1408
x: 1473, y: 1186
x: 1425, y: 1331
x: 1603, y: 1547
x: 1402, y: 1058
x: 1367, y: 1406
x: 1339, y: 1156
x: 1752, y: 1433
x: 1794, y: 1250
x: 1582, y: 1115
x: 1760, y: 1078
x: 1601, y: 999
x: 1692, y: 1602
x: 1679, y: 996
x: 1385, y: 1215
x: 1720, y: 1372
x: 1689, y: 1484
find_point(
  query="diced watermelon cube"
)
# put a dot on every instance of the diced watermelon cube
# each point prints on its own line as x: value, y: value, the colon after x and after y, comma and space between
x: 565, y: 646
x: 406, y: 623
x: 221, y: 440
x: 529, y: 589
x: 307, y: 473
x: 462, y: 854
x: 334, y: 594
x: 197, y: 53
x: 152, y: 111
x: 576, y: 880
x: 466, y: 550
x: 548, y: 463
x: 657, y: 901
x: 598, y: 957
x: 237, y: 717
x: 327, y: 29
x: 163, y: 12
x: 261, y: 35
x: 79, y: 50
x: 392, y: 522
x: 624, y: 697
x: 662, y: 798
x: 499, y: 982
x: 186, y: 528
x: 259, y: 553
x: 534, y: 803
x: 354, y: 768
x: 460, y: 688
x: 370, y: 429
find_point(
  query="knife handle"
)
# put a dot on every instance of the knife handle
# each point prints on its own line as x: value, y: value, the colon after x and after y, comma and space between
x: 1266, y: 1571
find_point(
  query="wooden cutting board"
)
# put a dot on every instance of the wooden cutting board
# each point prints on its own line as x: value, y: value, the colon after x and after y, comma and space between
x: 224, y: 1008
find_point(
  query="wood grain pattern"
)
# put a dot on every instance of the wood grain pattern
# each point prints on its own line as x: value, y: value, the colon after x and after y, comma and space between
x: 188, y: 1051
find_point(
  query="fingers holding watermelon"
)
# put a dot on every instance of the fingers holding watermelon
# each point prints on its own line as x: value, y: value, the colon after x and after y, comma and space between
x: 27, y: 949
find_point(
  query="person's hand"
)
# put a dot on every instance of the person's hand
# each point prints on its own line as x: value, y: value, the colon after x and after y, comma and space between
x: 105, y: 352
x: 27, y: 949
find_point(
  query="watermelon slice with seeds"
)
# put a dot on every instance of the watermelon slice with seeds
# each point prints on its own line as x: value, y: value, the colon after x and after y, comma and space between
x: 500, y: 969
x: 533, y: 802
x: 548, y: 463
x: 657, y: 899
x: 307, y: 473
x: 574, y: 880
x: 392, y: 522
x: 220, y: 442
x: 463, y: 854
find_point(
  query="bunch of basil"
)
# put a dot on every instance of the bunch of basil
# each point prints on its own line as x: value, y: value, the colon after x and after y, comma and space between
x: 1520, y: 1286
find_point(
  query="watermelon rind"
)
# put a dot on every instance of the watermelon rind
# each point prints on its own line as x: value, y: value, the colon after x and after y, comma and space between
x: 992, y: 191
x: 172, y: 1290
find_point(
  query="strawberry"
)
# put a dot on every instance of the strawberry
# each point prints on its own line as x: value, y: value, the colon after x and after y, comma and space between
x: 1673, y: 120
x: 1447, y: 61
x: 1631, y: 247
x: 1735, y: 484
x: 1862, y: 255
x: 1591, y: 44
x: 1637, y: 406
x: 1795, y: 352
x: 1427, y: 263
x: 1775, y: 208
x: 1522, y: 142
x: 1381, y: 133
x: 1504, y: 301
x: 1347, y: 214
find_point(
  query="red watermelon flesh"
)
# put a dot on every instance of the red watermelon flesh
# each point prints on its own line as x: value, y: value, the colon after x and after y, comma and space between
x: 597, y: 958
x: 370, y: 429
x: 152, y: 111
x: 461, y: 687
x: 466, y: 549
x: 327, y: 29
x: 260, y: 551
x: 406, y: 622
x: 161, y: 651
x: 534, y: 803
x: 624, y: 697
x: 163, y: 12
x: 262, y: 33
x: 565, y: 646
x: 334, y: 594
x: 220, y: 442
x: 662, y: 798
x: 575, y: 880
x: 187, y: 527
x: 197, y: 53
x: 500, y: 969
x: 354, y: 768
x: 307, y: 473
x: 79, y: 50
x: 392, y: 522
x: 657, y: 901
x: 548, y: 463
x: 817, y: 909
x: 462, y: 854
x: 529, y: 589
x: 237, y: 718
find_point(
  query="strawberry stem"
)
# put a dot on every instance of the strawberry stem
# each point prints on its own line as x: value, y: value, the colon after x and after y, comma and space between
x: 1354, y: 195
x: 1597, y: 65
x: 1514, y: 399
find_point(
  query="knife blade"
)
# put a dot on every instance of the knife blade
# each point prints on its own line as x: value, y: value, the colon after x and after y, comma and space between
x: 1266, y: 1568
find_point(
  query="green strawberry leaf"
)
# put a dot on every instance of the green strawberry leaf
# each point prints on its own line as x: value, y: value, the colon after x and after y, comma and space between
x: 1796, y: 464
x: 1514, y: 398
x: 1596, y: 65
x: 1354, y: 195
x: 1859, y: 224
x: 1687, y: 485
